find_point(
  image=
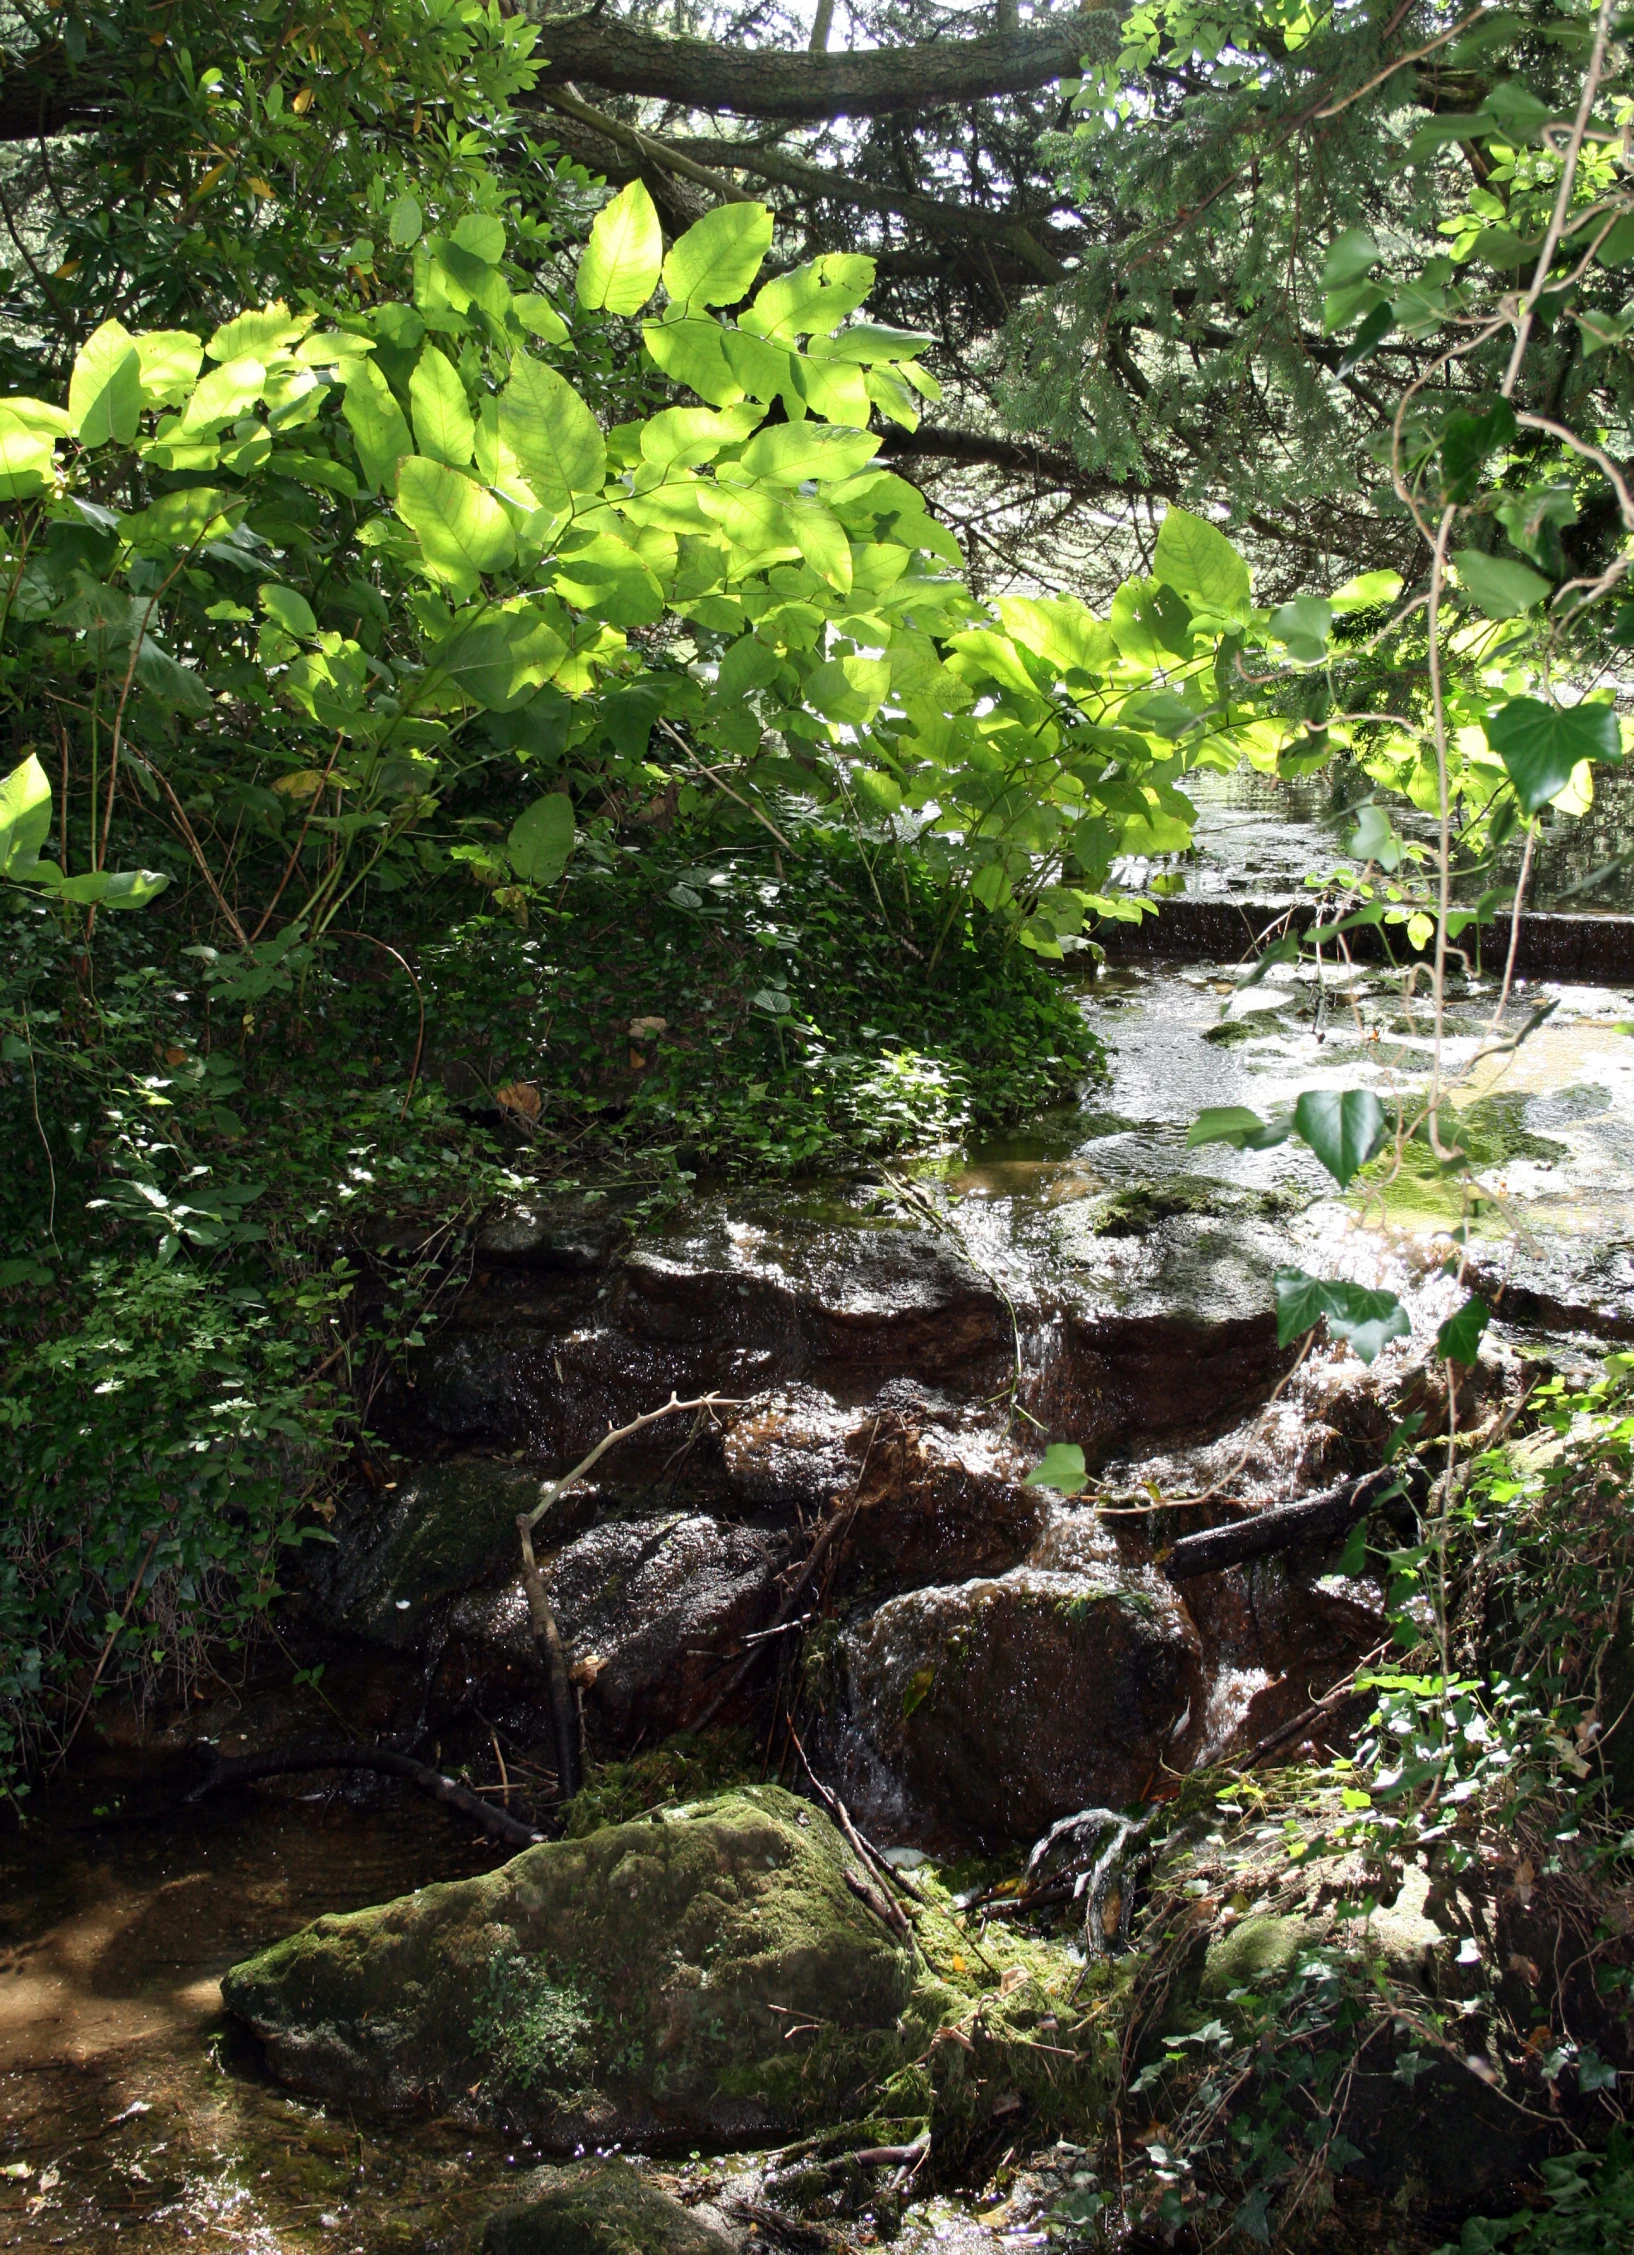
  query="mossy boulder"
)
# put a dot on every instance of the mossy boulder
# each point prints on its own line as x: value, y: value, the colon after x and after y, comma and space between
x: 600, y: 2208
x: 637, y: 1985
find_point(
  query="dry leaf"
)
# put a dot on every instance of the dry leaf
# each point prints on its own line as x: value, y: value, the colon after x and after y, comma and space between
x: 520, y: 1097
x: 647, y: 1029
x: 304, y: 783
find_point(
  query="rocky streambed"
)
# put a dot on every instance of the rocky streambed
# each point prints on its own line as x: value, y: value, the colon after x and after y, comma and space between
x: 938, y: 1658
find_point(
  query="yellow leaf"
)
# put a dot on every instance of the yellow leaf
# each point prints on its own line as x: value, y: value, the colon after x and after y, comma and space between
x: 302, y: 102
x: 208, y: 182
x: 303, y: 783
x: 263, y: 188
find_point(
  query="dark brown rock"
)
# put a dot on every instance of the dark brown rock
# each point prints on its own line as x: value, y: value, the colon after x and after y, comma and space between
x: 994, y: 1707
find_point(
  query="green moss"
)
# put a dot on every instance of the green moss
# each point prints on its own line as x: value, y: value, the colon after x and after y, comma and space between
x: 640, y: 1981
x: 682, y: 1768
x: 1140, y: 1206
x: 603, y: 2208
x: 1492, y: 1132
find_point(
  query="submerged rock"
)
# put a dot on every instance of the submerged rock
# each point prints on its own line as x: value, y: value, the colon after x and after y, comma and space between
x: 994, y: 1707
x: 600, y: 2208
x: 637, y: 1985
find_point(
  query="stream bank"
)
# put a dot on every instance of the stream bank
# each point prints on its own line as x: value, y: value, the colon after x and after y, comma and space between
x: 986, y: 1657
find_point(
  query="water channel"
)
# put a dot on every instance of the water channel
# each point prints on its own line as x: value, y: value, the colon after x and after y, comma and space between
x: 135, y: 2119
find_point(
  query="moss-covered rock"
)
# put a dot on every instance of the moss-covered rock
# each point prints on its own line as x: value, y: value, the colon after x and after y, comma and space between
x: 601, y: 2208
x: 639, y: 1984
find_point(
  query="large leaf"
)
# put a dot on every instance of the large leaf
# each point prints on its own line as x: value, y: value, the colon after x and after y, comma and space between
x: 27, y: 454
x: 1540, y: 744
x: 463, y: 531
x: 1498, y: 586
x: 25, y: 814
x: 541, y: 839
x: 1368, y: 1319
x: 169, y: 361
x: 717, y: 258
x: 500, y: 660
x: 378, y: 425
x: 821, y: 539
x: 1060, y: 631
x: 694, y: 353
x: 258, y: 334
x: 790, y: 453
x: 609, y: 582
x: 105, y: 390
x: 550, y: 433
x: 619, y: 270
x: 443, y: 425
x: 849, y: 689
x: 1344, y: 1128
x: 1197, y: 561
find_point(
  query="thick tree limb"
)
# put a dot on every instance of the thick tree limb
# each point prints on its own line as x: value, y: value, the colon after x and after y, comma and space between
x: 1287, y: 1526
x: 1044, y: 464
x: 662, y: 153
x: 620, y: 58
x: 923, y: 211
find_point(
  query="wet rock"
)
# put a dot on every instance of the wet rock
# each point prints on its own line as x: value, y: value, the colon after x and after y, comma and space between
x: 400, y: 1556
x: 600, y: 2208
x: 994, y: 1707
x: 637, y: 1986
x: 791, y: 1447
x: 574, y: 1240
x: 940, y: 1502
x: 649, y: 1607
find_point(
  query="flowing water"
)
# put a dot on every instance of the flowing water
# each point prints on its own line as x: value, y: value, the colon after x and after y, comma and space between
x: 132, y: 2119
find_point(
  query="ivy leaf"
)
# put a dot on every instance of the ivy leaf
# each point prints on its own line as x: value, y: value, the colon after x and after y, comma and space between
x: 541, y: 839
x: 105, y: 390
x: 1496, y: 585
x: 1367, y: 1319
x: 1540, y: 744
x: 619, y: 270
x: 1237, y: 1125
x: 717, y: 258
x: 1459, y: 1338
x: 1197, y: 561
x: 1344, y: 1129
x: 1062, y: 1469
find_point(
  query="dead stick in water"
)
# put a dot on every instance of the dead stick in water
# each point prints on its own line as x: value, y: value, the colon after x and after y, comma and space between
x: 292, y: 1761
x: 1284, y: 1527
x: 547, y: 1638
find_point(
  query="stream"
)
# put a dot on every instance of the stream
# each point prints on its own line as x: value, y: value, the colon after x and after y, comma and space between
x: 1129, y: 1276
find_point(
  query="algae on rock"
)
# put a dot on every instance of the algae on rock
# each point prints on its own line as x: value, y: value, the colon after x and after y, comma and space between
x: 600, y: 2208
x: 640, y: 1983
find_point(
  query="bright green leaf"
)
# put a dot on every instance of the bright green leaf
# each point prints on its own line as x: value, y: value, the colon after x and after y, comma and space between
x: 619, y: 270
x: 288, y: 609
x: 25, y: 815
x: 1062, y: 1468
x: 1540, y: 744
x: 105, y: 390
x: 170, y: 360
x: 378, y: 425
x: 1498, y: 586
x: 719, y: 256
x: 443, y: 425
x: 551, y: 435
x: 463, y: 531
x: 1197, y: 561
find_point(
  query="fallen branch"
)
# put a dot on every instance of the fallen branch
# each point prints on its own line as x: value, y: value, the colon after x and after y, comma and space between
x: 1319, y: 1518
x: 292, y: 1761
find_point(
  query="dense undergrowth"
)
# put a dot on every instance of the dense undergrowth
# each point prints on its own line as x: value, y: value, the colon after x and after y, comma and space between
x: 258, y: 1187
